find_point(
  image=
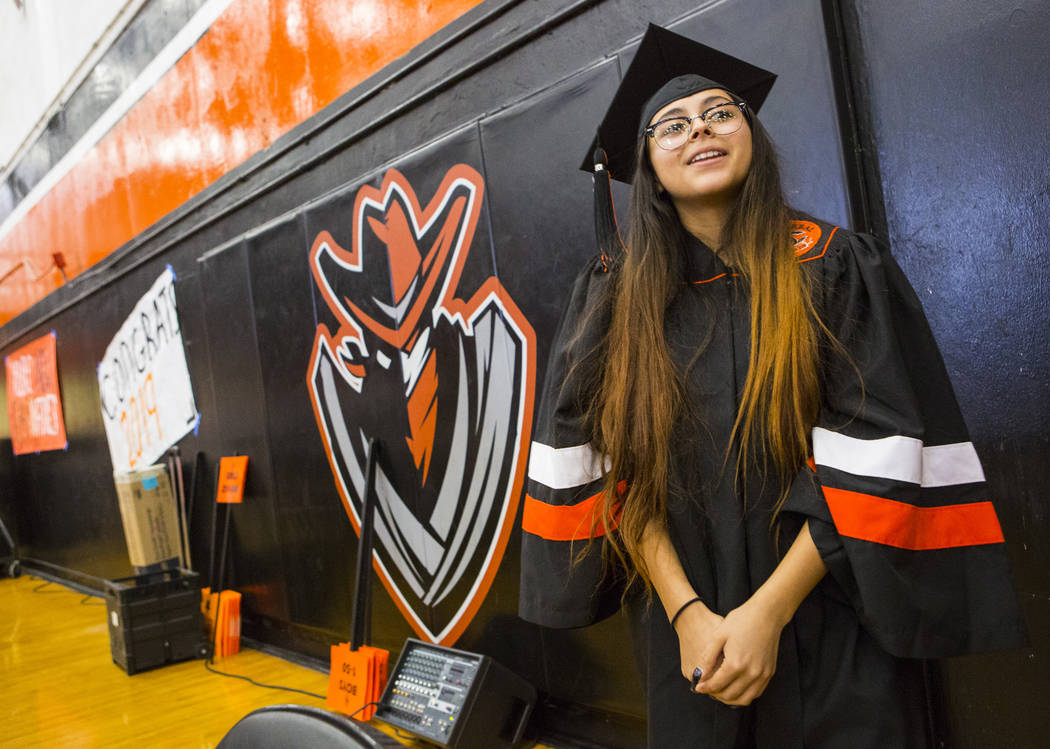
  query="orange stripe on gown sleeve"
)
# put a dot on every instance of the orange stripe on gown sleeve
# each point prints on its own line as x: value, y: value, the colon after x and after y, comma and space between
x: 567, y: 522
x: 905, y: 526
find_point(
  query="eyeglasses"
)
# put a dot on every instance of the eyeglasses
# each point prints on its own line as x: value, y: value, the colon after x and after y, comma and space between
x: 721, y: 119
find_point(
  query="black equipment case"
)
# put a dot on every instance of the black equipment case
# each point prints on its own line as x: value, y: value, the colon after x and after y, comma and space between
x: 155, y: 619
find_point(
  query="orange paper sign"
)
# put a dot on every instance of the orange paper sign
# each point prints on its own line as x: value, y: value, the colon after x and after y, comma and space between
x: 222, y: 615
x: 356, y: 679
x: 232, y: 472
x: 34, y: 409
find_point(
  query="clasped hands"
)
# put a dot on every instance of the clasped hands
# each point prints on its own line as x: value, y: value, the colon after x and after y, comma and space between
x: 737, y: 653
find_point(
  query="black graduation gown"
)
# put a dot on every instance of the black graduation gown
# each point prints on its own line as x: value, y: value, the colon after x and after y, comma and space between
x: 897, y: 507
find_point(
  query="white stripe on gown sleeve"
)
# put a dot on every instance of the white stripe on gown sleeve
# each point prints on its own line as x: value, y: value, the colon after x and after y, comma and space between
x: 565, y: 467
x: 898, y: 458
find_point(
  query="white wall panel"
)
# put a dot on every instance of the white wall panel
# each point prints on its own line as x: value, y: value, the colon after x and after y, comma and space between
x: 46, y: 47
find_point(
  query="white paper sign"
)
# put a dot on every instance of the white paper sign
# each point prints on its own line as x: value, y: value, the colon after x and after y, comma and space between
x: 143, y: 382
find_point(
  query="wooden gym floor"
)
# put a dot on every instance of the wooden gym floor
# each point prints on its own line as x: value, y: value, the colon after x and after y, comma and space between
x: 60, y: 688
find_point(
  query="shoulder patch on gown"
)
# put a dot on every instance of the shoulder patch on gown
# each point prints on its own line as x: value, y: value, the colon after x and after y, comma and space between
x: 811, y: 238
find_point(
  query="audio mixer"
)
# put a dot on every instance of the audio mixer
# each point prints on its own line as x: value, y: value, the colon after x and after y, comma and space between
x: 456, y: 699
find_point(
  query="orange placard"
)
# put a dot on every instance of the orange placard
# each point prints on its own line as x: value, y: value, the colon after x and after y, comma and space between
x: 232, y: 472
x: 34, y: 408
x: 356, y: 679
x: 348, y: 680
x: 222, y: 612
x: 228, y: 624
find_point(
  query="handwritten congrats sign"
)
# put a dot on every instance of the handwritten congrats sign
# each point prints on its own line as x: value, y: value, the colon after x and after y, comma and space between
x: 143, y: 381
x: 34, y: 409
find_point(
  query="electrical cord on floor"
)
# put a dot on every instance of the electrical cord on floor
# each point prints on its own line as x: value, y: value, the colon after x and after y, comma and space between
x: 397, y: 730
x: 207, y: 665
x: 363, y: 707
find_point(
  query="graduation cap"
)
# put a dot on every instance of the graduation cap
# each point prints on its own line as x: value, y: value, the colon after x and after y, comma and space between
x: 666, y: 67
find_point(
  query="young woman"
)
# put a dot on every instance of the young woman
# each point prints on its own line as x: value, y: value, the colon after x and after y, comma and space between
x: 697, y: 371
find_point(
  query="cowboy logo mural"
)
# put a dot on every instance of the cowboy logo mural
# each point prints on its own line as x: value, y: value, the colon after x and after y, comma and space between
x: 443, y: 383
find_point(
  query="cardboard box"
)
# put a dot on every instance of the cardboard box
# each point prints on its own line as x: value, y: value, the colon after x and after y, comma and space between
x: 151, y: 525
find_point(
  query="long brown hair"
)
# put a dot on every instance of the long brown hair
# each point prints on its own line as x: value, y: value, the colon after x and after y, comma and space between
x: 639, y: 393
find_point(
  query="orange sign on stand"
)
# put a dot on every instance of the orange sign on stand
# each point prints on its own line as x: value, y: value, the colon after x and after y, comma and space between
x: 222, y: 608
x: 356, y: 680
x: 232, y: 472
x: 34, y: 408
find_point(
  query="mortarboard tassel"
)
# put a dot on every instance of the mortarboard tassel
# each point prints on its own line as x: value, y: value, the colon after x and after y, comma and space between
x: 606, y: 230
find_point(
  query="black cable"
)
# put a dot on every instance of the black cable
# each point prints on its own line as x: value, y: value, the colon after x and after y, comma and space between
x: 400, y: 735
x: 207, y: 665
x: 370, y: 704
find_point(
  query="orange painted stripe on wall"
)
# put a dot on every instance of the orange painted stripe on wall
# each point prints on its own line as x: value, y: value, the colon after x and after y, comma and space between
x: 263, y: 67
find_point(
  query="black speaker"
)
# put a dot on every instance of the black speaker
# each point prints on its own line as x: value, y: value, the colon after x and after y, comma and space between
x: 456, y: 699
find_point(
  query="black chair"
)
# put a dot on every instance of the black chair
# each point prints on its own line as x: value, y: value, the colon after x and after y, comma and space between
x: 302, y: 727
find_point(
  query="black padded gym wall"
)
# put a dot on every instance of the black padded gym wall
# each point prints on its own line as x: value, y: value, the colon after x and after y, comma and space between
x: 960, y: 113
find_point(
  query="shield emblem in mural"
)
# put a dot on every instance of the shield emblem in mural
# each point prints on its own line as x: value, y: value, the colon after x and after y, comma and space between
x: 443, y: 383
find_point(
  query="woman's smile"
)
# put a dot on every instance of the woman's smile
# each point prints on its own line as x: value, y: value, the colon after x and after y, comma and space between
x: 707, y: 168
x: 706, y: 157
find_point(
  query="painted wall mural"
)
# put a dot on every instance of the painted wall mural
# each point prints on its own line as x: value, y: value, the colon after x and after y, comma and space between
x: 143, y: 382
x: 443, y: 383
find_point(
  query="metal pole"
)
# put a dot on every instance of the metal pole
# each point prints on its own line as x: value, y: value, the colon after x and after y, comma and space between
x: 214, y: 531
x: 361, y: 613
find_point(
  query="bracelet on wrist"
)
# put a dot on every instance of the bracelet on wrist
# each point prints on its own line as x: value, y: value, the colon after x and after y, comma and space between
x: 682, y: 608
